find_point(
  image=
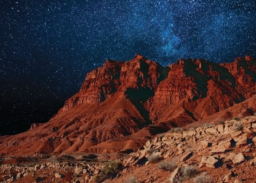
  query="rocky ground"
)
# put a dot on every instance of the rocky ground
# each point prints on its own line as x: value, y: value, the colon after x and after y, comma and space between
x: 222, y: 152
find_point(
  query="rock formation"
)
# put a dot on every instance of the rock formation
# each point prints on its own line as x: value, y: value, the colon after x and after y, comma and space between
x: 122, y: 104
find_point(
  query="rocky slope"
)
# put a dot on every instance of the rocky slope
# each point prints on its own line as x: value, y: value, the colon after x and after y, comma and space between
x: 123, y: 104
x: 225, y: 152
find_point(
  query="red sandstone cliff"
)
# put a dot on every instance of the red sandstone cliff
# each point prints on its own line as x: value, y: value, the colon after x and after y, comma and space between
x: 122, y: 104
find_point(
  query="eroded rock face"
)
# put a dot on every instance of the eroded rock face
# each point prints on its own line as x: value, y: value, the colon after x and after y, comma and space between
x: 122, y: 104
x: 131, y: 78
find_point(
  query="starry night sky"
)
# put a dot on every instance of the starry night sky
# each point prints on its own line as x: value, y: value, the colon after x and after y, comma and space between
x: 47, y: 47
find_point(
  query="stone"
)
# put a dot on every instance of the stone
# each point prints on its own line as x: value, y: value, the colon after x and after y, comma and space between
x: 229, y: 157
x: 212, y: 162
x: 203, y: 161
x: 19, y: 175
x: 142, y: 153
x: 176, y: 175
x: 96, y: 171
x: 204, y: 144
x: 25, y: 174
x: 58, y: 175
x: 78, y: 170
x: 246, y: 149
x: 212, y: 131
x: 148, y: 143
x: 180, y: 149
x: 227, y: 178
x: 218, y: 149
x: 85, y: 171
x: 249, y: 132
x: 37, y: 167
x: 239, y: 158
x: 226, y: 129
x: 227, y: 143
x: 241, y: 142
x: 178, y: 134
x: 236, y: 134
x: 254, y: 140
x: 237, y: 181
x: 189, y: 133
x: 164, y: 138
x: 220, y: 128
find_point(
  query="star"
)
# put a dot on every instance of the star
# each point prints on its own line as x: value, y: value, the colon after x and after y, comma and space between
x: 47, y: 47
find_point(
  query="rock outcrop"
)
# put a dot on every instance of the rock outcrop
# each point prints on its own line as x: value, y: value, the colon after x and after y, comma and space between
x: 122, y: 104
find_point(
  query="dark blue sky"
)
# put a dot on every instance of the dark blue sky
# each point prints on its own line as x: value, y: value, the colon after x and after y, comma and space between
x: 47, y: 47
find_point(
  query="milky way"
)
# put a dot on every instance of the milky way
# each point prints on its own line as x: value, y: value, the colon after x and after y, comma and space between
x: 47, y: 47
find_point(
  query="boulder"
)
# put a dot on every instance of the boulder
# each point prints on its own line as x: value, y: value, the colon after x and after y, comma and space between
x: 219, y: 149
x: 239, y: 158
x: 212, y: 131
x: 211, y: 162
x: 78, y: 170
x: 227, y: 143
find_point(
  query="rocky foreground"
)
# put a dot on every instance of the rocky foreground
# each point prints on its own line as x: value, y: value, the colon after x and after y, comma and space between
x: 222, y: 152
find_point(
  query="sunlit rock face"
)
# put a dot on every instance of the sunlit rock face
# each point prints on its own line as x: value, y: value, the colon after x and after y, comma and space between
x: 122, y: 104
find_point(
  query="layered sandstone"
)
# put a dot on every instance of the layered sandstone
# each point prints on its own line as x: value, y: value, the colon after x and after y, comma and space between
x: 122, y: 104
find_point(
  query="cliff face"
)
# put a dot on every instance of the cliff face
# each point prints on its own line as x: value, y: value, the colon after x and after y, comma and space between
x: 118, y: 77
x: 121, y: 104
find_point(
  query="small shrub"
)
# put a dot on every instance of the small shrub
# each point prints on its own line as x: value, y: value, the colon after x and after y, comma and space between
x: 132, y: 180
x: 237, y: 118
x: 110, y: 170
x: 154, y: 158
x: 203, y: 178
x: 161, y: 135
x: 207, y: 125
x: 177, y: 129
x: 190, y: 171
x: 150, y: 151
x: 169, y: 166
x: 237, y: 126
x: 221, y: 122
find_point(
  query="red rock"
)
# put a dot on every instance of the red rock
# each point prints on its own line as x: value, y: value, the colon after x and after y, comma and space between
x: 122, y: 104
